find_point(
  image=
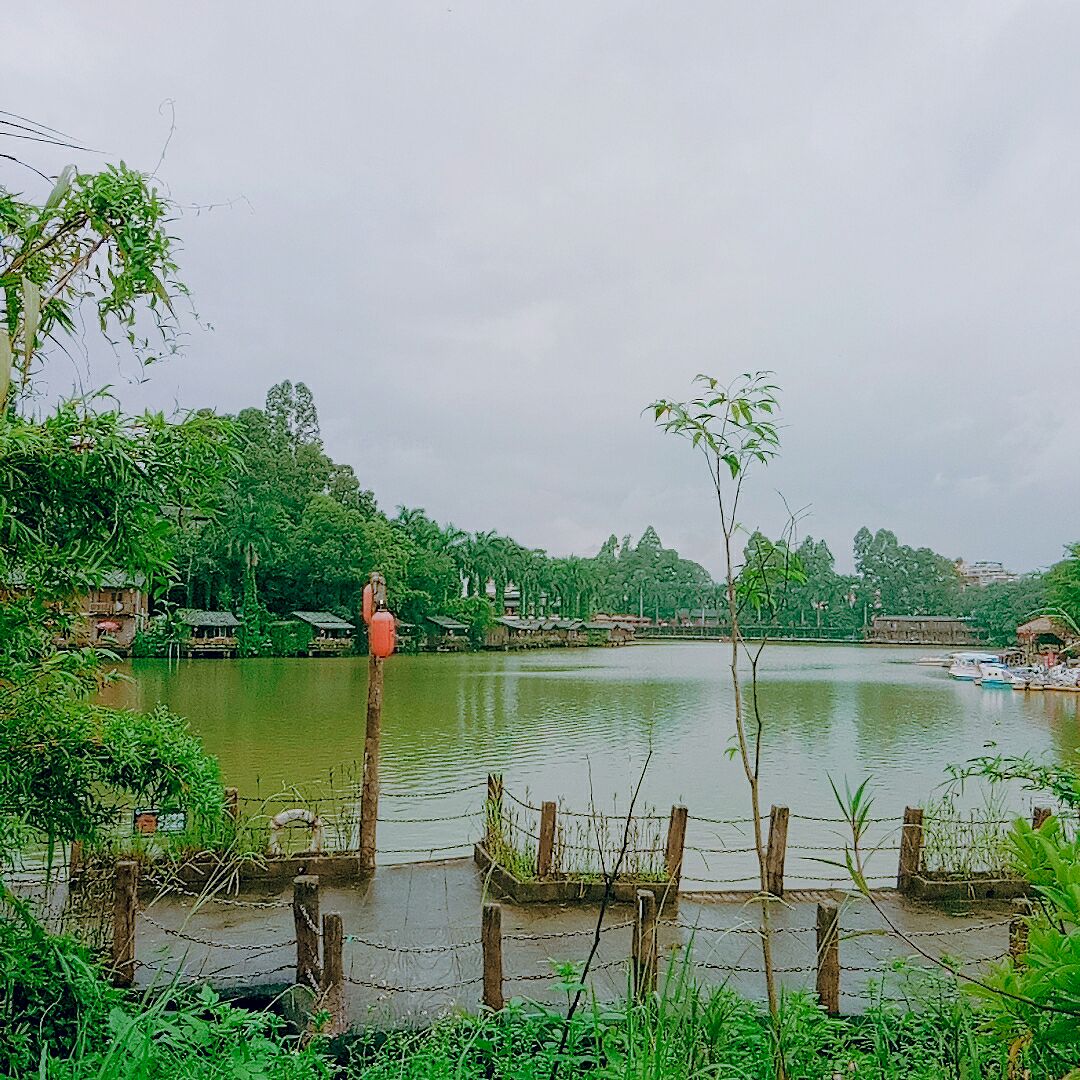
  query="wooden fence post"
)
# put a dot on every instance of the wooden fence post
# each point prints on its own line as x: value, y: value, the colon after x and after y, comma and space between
x: 1018, y: 934
x: 546, y: 846
x: 676, y: 842
x: 369, y: 796
x: 828, y: 957
x: 643, y: 944
x: 776, y: 851
x: 493, y: 808
x: 306, y: 918
x: 911, y: 845
x: 124, y: 906
x: 491, y: 943
x: 1039, y: 816
x: 232, y: 803
x: 75, y: 859
x: 333, y: 975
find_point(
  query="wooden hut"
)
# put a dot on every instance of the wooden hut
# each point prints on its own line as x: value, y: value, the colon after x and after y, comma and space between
x: 444, y: 634
x: 330, y: 634
x: 210, y: 633
x: 1044, y: 636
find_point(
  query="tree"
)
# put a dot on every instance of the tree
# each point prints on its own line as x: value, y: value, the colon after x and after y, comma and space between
x: 734, y: 429
x: 1063, y: 583
x: 85, y: 490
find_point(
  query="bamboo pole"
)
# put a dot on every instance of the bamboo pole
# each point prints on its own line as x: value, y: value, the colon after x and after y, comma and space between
x: 232, y: 804
x: 125, y: 900
x: 546, y: 846
x: 491, y: 944
x: 776, y: 852
x: 828, y: 957
x: 911, y: 845
x: 643, y: 944
x: 306, y: 920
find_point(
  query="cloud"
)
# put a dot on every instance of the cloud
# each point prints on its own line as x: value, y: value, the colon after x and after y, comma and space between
x: 487, y: 237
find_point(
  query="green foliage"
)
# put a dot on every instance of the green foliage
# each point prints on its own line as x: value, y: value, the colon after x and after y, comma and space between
x: 686, y: 1033
x: 1036, y: 1001
x: 901, y: 580
x: 51, y: 993
x: 1063, y: 584
x: 1000, y: 607
x: 98, y: 237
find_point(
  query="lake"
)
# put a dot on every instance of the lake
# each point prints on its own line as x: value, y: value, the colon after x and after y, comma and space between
x: 579, y: 724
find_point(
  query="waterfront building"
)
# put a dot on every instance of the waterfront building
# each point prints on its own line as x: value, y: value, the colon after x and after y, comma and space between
x: 209, y: 633
x: 445, y: 634
x: 330, y: 634
x: 1044, y: 636
x: 920, y: 630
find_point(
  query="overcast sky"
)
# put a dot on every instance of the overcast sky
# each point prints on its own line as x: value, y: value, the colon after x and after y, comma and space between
x: 486, y: 235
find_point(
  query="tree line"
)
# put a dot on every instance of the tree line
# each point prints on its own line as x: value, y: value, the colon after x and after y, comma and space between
x: 292, y: 530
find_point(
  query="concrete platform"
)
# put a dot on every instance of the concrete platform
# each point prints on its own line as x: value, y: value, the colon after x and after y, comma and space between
x: 412, y: 949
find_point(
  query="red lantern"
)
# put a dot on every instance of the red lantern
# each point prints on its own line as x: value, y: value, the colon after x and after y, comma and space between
x: 382, y: 634
x: 369, y: 604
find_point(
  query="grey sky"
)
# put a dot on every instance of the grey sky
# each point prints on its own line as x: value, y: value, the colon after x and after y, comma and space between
x: 486, y: 235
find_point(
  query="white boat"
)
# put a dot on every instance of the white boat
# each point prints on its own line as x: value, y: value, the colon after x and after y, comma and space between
x: 934, y: 661
x: 965, y: 665
x: 995, y: 675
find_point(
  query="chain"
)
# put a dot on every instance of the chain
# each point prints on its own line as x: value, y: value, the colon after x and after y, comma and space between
x: 412, y: 950
x: 169, y: 887
x: 214, y: 944
x: 390, y: 988
x: 558, y: 934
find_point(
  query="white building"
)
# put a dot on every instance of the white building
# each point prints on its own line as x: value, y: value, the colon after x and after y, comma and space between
x: 984, y: 573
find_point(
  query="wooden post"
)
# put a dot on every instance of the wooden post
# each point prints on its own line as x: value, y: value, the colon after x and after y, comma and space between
x: 776, y: 851
x: 232, y: 803
x: 369, y: 798
x: 493, y: 808
x: 828, y: 957
x: 1018, y: 933
x: 333, y: 975
x: 1039, y: 816
x: 75, y: 859
x: 547, y: 840
x: 124, y: 907
x: 676, y: 842
x: 911, y: 845
x: 643, y: 944
x: 491, y: 942
x: 306, y: 917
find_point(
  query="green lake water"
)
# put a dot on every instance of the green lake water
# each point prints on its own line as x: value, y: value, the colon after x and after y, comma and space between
x: 579, y: 724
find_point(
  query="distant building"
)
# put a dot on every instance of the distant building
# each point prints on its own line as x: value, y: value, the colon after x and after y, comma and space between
x: 330, y: 633
x: 210, y: 633
x: 920, y: 630
x: 702, y: 616
x: 984, y: 573
x: 445, y: 634
x: 110, y: 614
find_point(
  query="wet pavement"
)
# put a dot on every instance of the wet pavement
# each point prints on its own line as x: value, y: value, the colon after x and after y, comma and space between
x: 412, y: 949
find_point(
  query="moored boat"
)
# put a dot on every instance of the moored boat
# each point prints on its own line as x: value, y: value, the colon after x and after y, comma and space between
x: 965, y: 665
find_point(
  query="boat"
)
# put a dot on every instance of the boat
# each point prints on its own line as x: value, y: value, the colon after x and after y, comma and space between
x: 965, y: 665
x: 934, y: 661
x: 995, y: 675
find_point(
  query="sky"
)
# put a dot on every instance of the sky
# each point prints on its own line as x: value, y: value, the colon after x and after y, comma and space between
x: 487, y: 235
